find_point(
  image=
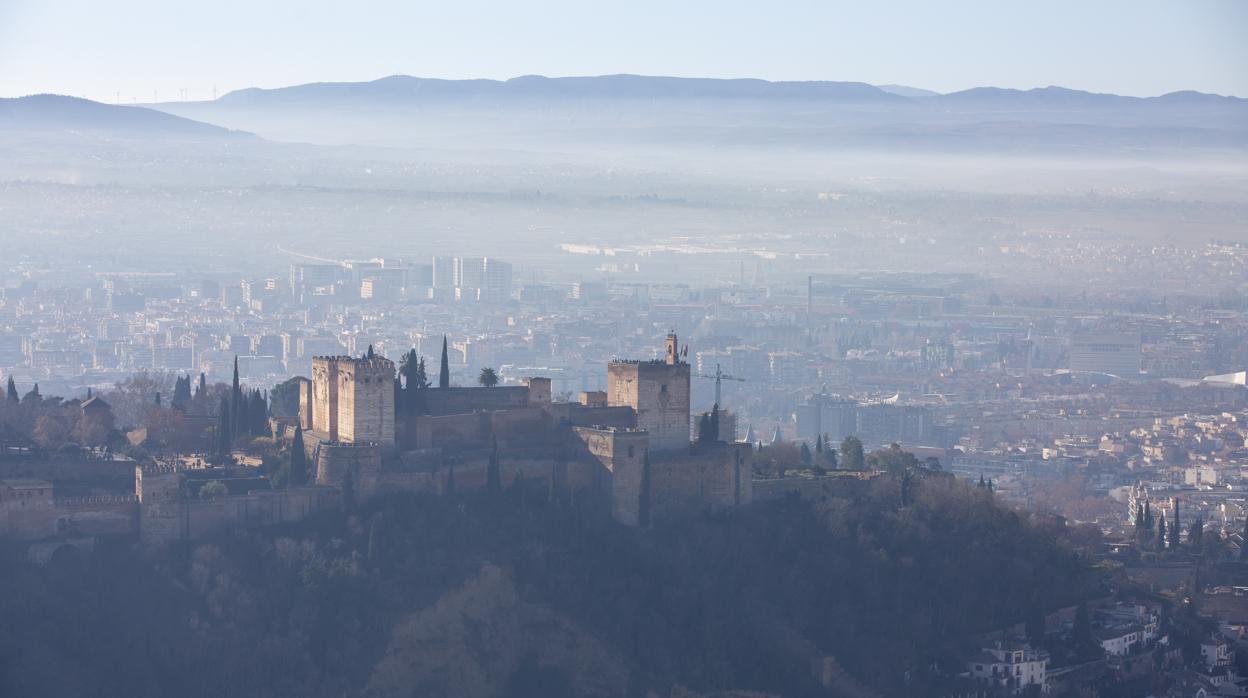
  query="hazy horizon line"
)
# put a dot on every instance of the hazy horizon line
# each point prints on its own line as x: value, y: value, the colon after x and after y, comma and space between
x: 221, y: 93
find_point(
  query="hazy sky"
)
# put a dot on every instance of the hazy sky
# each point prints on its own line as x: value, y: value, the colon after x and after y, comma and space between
x: 98, y: 48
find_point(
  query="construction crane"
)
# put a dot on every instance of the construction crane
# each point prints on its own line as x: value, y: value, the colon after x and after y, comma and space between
x: 719, y: 377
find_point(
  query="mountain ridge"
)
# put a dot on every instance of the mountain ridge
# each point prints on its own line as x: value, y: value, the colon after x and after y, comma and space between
x: 51, y: 112
x: 631, y: 86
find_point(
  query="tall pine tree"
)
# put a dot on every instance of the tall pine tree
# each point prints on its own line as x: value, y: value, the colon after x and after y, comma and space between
x: 12, y: 395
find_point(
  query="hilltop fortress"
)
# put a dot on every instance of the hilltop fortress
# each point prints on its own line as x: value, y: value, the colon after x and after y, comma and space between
x: 613, y: 449
x: 600, y: 444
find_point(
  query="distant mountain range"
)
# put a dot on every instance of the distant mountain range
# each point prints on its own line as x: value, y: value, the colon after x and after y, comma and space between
x: 535, y: 113
x: 405, y: 88
x: 408, y: 88
x: 58, y: 113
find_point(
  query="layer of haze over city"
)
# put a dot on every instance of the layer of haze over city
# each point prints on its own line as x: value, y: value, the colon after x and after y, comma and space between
x: 674, y: 350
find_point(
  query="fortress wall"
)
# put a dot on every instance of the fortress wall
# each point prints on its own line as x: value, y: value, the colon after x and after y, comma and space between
x: 619, y: 417
x: 335, y: 461
x: 29, y: 524
x: 445, y: 401
x: 722, y: 478
x: 63, y: 470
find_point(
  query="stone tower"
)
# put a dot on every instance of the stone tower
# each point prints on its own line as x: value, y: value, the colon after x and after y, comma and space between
x: 366, y: 401
x: 658, y: 391
x: 352, y: 400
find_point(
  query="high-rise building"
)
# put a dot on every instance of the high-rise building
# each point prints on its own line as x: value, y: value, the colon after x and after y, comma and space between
x: 496, y: 282
x: 1115, y: 353
x: 443, y: 272
x: 469, y: 272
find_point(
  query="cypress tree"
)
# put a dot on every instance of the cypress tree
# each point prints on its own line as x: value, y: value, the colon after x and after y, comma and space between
x: 370, y: 354
x: 819, y: 445
x: 12, y: 394
x: 444, y: 374
x: 202, y: 388
x: 1086, y: 646
x: 158, y: 398
x: 298, y: 460
x: 1139, y: 516
x: 225, y: 429
x: 1161, y: 532
x: 1175, y: 526
x: 450, y: 482
x: 181, y: 392
x: 258, y: 412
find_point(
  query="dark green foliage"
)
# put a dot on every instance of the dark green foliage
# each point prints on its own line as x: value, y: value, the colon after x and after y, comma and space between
x: 711, y: 602
x: 444, y: 373
x: 258, y: 414
x: 488, y: 377
x: 298, y: 464
x: 284, y: 398
x: 1034, y: 625
x: 223, y: 434
x: 12, y: 392
x: 1161, y: 531
x: 1083, y: 642
x: 181, y: 393
x: 412, y: 372
x: 852, y: 457
x: 1175, y: 527
x: 708, y: 426
x: 829, y: 456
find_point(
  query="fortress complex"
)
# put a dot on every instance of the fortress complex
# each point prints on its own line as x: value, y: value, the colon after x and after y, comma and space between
x: 597, y: 449
x: 353, y: 431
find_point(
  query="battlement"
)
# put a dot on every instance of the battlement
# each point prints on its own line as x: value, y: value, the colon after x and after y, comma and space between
x: 92, y: 500
x: 379, y: 362
x: 351, y: 399
x: 614, y: 429
x: 163, y: 468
